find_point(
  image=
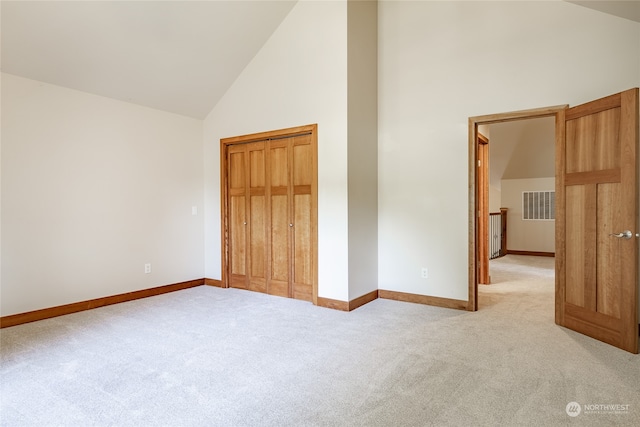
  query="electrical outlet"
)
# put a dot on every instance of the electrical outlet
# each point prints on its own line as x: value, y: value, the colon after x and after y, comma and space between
x: 425, y: 273
x: 147, y: 268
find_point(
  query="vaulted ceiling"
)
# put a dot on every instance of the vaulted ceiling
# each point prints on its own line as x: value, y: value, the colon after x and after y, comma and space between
x: 170, y: 55
x: 177, y: 56
x: 522, y: 149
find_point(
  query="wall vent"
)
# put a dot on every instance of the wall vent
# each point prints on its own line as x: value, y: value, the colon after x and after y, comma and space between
x: 539, y: 205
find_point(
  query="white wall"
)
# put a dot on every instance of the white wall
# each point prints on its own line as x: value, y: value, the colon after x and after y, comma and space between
x: 495, y: 199
x: 533, y: 54
x: 299, y: 77
x: 92, y: 189
x: 362, y: 146
x: 529, y: 235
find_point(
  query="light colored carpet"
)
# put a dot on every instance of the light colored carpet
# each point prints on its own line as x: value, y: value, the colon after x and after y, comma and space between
x: 223, y: 357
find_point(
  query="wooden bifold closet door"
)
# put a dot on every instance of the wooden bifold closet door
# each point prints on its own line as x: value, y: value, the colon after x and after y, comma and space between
x: 270, y: 214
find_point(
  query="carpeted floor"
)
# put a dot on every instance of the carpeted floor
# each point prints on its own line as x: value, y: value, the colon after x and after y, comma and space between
x: 223, y: 357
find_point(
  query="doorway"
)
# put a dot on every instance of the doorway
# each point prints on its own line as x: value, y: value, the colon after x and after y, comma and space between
x: 516, y: 191
x: 596, y: 181
x: 474, y: 205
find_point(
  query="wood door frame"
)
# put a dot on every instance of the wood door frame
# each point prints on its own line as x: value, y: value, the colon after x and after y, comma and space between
x: 474, y: 122
x: 482, y: 194
x: 224, y: 207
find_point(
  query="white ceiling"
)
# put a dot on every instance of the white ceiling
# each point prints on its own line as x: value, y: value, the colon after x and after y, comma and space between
x: 177, y: 56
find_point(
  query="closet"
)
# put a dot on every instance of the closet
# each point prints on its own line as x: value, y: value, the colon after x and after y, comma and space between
x: 269, y: 212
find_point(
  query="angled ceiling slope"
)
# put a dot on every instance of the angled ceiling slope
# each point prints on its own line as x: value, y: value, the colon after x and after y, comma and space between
x: 174, y: 56
x: 177, y: 56
x: 628, y: 9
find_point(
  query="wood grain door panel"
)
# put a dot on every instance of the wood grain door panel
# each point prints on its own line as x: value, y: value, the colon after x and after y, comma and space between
x: 302, y: 219
x: 575, y: 260
x: 238, y: 217
x: 302, y: 253
x: 610, y: 251
x: 257, y: 217
x: 279, y: 278
x: 597, y: 273
x: 279, y: 162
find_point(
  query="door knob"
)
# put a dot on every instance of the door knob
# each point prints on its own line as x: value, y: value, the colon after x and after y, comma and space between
x: 626, y: 234
x: 290, y: 225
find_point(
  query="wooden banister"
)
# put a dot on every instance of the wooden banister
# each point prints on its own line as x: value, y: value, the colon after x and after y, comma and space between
x: 503, y: 221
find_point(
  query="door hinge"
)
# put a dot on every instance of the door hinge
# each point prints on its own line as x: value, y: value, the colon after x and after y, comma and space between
x: 479, y: 163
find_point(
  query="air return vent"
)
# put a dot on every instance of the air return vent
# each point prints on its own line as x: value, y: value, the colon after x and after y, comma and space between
x: 539, y: 205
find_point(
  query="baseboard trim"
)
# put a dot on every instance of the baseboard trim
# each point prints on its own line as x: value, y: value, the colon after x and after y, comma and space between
x: 213, y: 282
x: 531, y: 253
x: 393, y: 295
x: 350, y: 305
x: 47, y: 313
x: 362, y: 300
x: 333, y: 304
x: 61, y: 310
x: 423, y: 299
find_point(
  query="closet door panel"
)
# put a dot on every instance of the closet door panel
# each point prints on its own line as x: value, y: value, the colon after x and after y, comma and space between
x: 257, y: 258
x: 279, y: 280
x: 237, y: 169
x: 279, y: 164
x: 258, y: 218
x: 302, y: 158
x: 302, y: 251
x: 237, y: 218
x: 279, y: 237
x: 280, y: 221
x: 301, y: 181
x: 238, y: 247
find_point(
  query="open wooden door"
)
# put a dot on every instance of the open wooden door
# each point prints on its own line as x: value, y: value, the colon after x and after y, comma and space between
x: 597, y: 219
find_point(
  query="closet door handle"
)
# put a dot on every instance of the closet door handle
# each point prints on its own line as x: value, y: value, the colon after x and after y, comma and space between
x: 290, y: 225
